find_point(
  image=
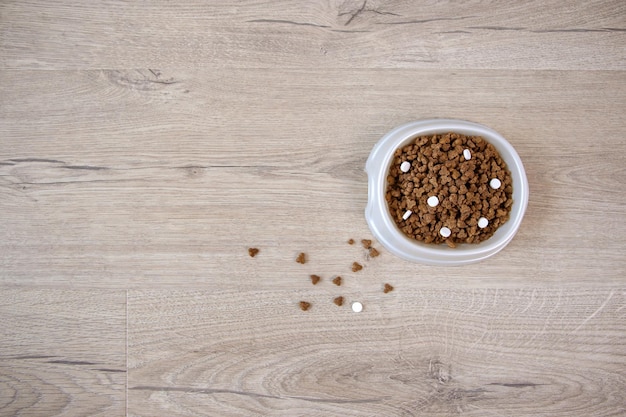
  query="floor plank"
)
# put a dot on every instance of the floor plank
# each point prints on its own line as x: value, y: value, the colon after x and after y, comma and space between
x: 540, y: 352
x: 62, y: 352
x: 121, y: 178
x: 530, y: 34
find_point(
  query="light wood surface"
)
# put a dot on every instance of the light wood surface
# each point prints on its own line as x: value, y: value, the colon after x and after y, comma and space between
x: 410, y: 352
x: 145, y: 146
x: 537, y: 34
x: 62, y: 352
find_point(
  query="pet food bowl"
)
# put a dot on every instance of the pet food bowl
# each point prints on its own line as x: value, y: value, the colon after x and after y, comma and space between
x: 389, y: 235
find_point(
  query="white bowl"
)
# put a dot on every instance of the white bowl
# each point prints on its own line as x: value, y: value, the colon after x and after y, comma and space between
x: 394, y: 240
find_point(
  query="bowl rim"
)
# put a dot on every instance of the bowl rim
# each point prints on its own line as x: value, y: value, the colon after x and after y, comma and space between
x: 393, y: 239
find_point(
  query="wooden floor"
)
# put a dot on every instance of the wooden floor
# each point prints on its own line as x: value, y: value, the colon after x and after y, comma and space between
x: 145, y: 146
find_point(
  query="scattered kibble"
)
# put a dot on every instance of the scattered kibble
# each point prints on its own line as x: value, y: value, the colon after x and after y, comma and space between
x: 356, y: 306
x: 252, y: 252
x: 483, y: 222
x: 445, y: 232
x: 495, y: 183
x: 433, y: 201
x: 407, y: 214
x: 467, y: 154
x: 301, y: 259
x: 405, y: 166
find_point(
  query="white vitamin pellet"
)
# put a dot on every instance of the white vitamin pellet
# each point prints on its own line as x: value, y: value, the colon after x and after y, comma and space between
x: 357, y: 307
x: 433, y: 201
x: 467, y: 154
x: 445, y: 232
x: 483, y: 222
x: 495, y: 183
x: 405, y: 166
x: 407, y: 214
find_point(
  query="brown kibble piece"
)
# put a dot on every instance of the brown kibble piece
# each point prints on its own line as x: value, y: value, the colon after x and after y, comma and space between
x: 337, y: 281
x: 374, y: 253
x: 304, y: 306
x: 388, y: 288
x: 367, y: 243
x: 350, y: 241
x: 461, y: 185
x: 315, y: 279
x: 301, y: 259
x: 252, y: 252
x: 356, y: 266
x: 338, y: 301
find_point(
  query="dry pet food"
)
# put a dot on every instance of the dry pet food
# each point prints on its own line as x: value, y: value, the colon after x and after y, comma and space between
x: 356, y: 266
x: 367, y: 243
x: 449, y: 188
x: 357, y: 307
x: 337, y: 281
x: 304, y: 306
x: 388, y: 288
x: 338, y: 301
x: 374, y: 253
x: 315, y: 279
x: 252, y: 252
x: 301, y: 259
x: 350, y: 241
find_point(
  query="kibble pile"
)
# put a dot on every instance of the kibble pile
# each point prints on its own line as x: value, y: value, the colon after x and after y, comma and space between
x: 449, y: 188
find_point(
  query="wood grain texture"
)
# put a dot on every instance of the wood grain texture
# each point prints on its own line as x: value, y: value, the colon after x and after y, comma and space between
x: 537, y: 34
x: 409, y: 353
x: 62, y: 352
x: 119, y: 178
x: 145, y: 146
